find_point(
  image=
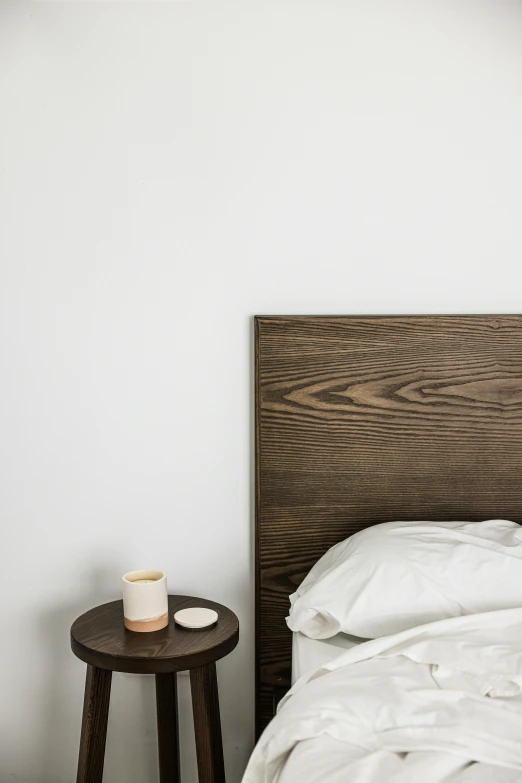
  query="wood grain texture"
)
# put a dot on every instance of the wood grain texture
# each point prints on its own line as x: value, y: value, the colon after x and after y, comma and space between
x: 207, y: 724
x: 94, y: 725
x: 168, y: 731
x: 361, y: 420
x: 100, y: 638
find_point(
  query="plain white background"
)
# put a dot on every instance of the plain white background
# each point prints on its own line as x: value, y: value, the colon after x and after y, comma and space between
x: 167, y: 171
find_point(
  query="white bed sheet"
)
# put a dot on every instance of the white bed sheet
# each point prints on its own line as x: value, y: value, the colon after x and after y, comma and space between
x: 310, y: 654
x: 440, y: 703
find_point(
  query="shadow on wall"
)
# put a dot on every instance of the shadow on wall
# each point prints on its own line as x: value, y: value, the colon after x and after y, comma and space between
x: 65, y: 676
x: 131, y: 751
x: 62, y: 700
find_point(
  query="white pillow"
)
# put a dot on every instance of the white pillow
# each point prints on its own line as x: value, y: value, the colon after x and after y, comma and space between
x: 397, y: 575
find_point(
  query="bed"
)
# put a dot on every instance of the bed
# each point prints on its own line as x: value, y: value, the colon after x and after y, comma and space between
x: 310, y: 654
x: 363, y: 420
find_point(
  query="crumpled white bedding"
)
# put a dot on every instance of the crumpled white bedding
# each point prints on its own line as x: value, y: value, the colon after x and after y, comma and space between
x: 440, y: 703
x: 309, y: 654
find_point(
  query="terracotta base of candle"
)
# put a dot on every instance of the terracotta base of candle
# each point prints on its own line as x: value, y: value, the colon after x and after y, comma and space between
x: 145, y: 626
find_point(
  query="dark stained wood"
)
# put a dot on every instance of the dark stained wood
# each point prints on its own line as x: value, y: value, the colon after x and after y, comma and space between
x: 100, y: 638
x: 168, y: 732
x: 207, y: 725
x: 94, y: 725
x: 361, y: 420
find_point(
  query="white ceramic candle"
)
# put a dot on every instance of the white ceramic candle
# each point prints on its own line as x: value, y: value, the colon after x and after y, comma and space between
x: 145, y: 601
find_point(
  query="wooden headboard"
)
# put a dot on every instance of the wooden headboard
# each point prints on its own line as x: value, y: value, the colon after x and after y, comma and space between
x: 361, y: 420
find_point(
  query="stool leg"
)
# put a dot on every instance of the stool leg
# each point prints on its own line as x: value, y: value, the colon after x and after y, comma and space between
x: 94, y: 725
x: 168, y: 735
x: 207, y: 726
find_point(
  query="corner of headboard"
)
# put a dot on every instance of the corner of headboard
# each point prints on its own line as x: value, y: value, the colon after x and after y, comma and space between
x: 365, y: 419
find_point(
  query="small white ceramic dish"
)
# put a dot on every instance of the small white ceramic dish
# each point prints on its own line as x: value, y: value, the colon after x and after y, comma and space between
x: 197, y: 617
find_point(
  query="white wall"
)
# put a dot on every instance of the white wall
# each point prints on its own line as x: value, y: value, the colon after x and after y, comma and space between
x: 168, y: 170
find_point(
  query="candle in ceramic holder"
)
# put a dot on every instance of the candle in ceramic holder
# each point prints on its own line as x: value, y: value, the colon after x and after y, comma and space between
x: 145, y: 601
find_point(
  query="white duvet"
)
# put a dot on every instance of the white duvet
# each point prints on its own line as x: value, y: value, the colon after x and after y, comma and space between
x: 440, y: 703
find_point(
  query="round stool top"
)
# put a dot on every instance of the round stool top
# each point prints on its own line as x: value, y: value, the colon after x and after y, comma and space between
x: 100, y: 638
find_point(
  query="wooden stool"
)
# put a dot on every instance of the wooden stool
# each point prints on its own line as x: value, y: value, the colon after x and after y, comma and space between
x: 100, y: 638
